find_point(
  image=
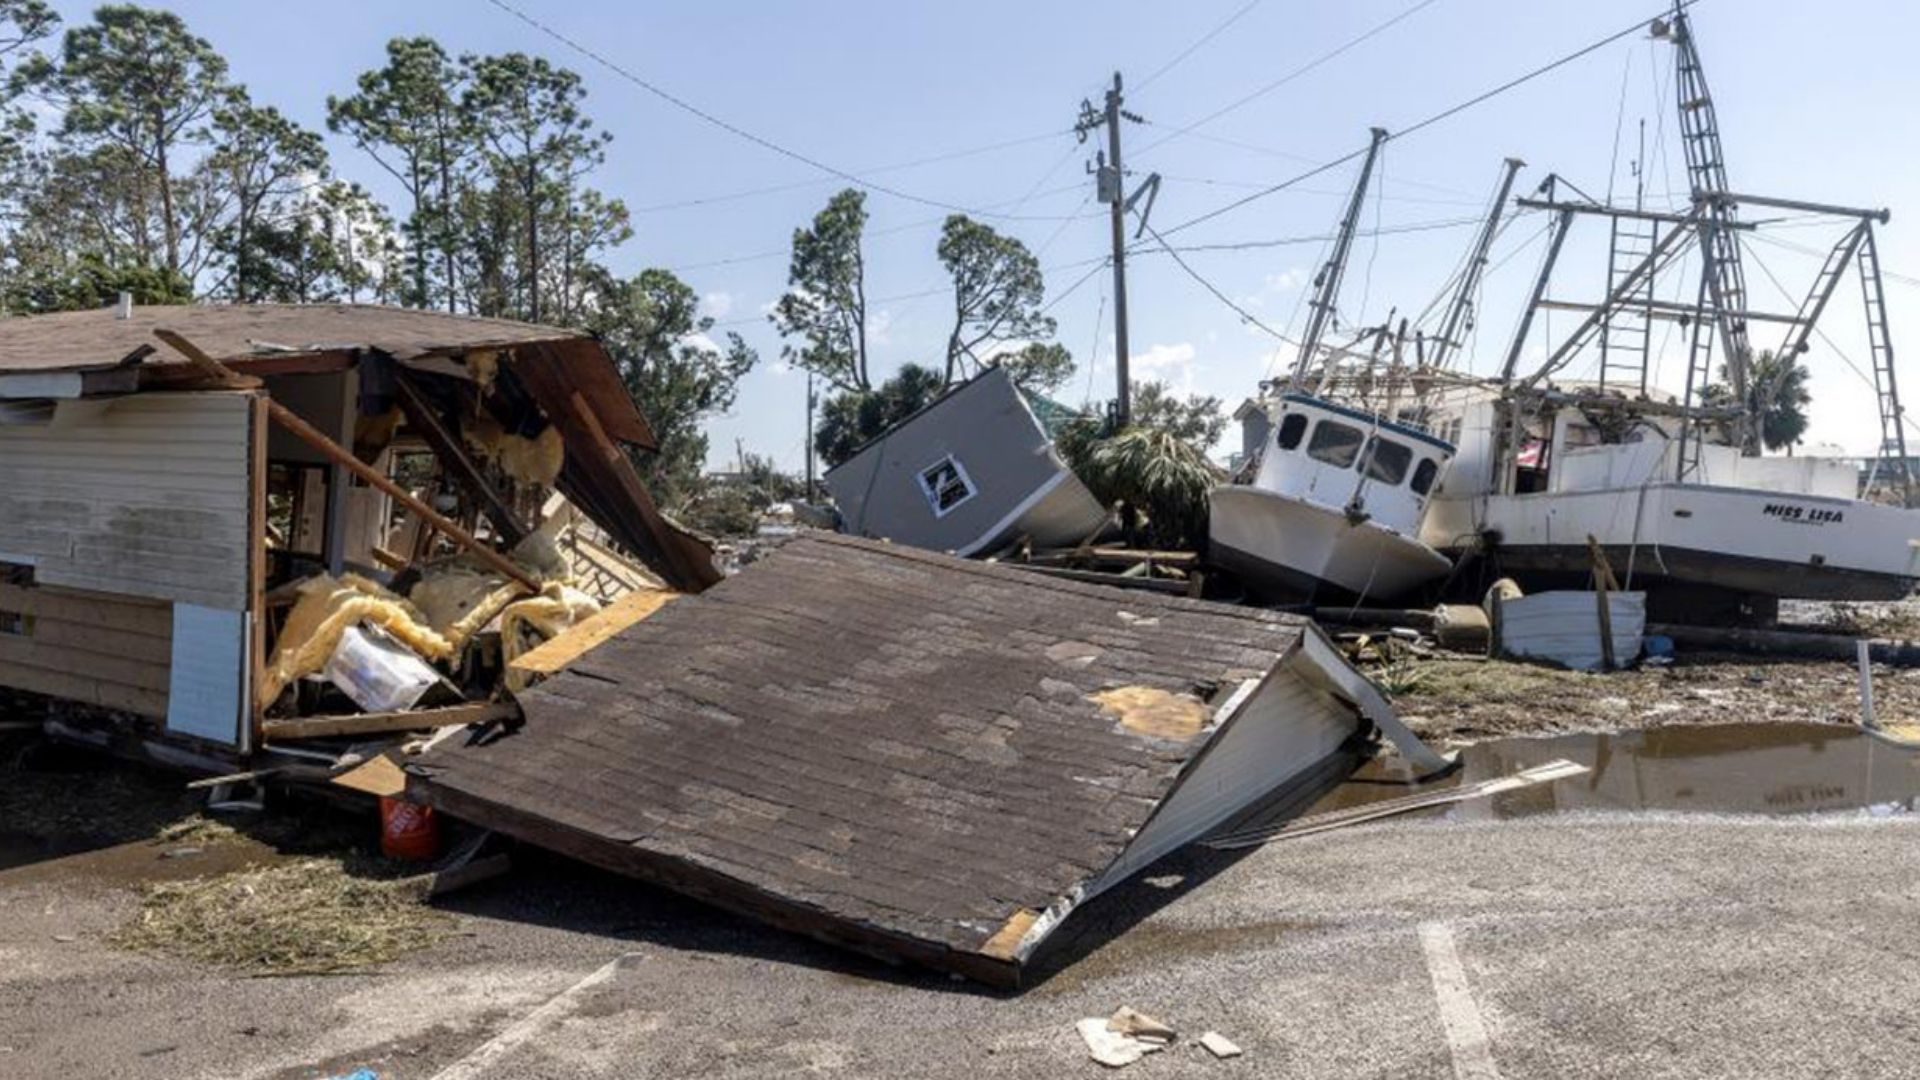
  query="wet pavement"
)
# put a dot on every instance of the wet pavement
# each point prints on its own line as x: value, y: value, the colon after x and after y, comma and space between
x: 1717, y: 769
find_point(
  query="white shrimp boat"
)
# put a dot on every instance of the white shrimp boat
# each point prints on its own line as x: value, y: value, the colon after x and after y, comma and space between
x: 1335, y: 507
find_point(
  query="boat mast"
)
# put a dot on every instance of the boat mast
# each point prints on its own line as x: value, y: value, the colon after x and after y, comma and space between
x: 1459, y: 318
x: 1326, y: 286
x: 1724, y: 284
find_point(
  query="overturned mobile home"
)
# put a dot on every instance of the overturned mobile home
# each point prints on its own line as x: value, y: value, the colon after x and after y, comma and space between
x: 971, y: 472
x: 167, y: 474
x: 910, y: 754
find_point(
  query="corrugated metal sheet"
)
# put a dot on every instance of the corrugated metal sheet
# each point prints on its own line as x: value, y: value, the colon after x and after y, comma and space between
x: 1564, y: 627
x: 144, y: 495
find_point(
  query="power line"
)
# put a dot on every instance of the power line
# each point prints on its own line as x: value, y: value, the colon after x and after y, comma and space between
x: 1245, y: 315
x: 734, y: 129
x: 1202, y: 40
x: 1422, y: 125
x: 795, y: 185
x: 1316, y: 62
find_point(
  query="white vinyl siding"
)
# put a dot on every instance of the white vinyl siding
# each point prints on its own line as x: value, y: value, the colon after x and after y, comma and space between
x: 143, y: 496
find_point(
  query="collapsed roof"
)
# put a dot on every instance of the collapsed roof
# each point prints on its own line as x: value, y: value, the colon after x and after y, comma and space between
x: 906, y: 753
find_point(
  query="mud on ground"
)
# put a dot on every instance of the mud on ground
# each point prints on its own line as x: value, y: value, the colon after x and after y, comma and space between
x: 1464, y: 700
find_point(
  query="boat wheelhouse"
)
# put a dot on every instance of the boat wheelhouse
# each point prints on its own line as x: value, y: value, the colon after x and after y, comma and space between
x: 1335, y: 507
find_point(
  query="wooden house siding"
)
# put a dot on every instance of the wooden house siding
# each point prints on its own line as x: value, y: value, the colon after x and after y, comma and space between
x: 97, y: 648
x: 141, y: 496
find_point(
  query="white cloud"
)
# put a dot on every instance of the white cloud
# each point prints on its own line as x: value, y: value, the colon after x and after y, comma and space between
x: 701, y: 341
x: 878, y: 324
x: 1170, y: 364
x: 1275, y: 285
x: 718, y: 304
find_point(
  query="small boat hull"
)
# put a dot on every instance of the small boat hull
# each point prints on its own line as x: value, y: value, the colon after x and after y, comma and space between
x: 1281, y: 546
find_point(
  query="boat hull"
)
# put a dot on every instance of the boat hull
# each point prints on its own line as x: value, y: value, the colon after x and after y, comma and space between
x: 1763, y: 543
x: 1282, y: 546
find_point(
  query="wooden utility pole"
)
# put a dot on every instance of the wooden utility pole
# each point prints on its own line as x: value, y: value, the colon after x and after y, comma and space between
x: 1110, y: 183
x: 809, y: 435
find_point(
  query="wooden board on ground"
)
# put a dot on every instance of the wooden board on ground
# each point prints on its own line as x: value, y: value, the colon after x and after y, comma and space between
x: 551, y: 656
x: 370, y: 723
x: 377, y: 776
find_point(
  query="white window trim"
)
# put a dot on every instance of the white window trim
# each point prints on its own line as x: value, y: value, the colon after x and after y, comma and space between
x: 933, y: 496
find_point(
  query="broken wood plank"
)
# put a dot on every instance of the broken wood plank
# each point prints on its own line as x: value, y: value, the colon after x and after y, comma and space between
x: 1096, y: 577
x: 411, y: 720
x: 345, y: 458
x: 376, y: 776
x: 574, y: 642
x: 446, y: 447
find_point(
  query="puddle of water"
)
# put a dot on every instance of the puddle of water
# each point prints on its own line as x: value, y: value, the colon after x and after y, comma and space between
x: 1725, y: 769
x: 26, y: 858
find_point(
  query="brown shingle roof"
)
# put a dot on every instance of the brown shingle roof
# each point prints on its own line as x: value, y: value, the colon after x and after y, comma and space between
x: 878, y: 745
x: 80, y: 340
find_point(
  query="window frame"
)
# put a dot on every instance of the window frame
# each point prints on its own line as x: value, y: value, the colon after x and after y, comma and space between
x: 1326, y: 424
x: 932, y: 492
x: 1299, y: 433
x: 1371, y: 455
x: 1429, y: 468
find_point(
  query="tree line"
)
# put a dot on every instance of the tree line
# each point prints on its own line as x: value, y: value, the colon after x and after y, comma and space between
x: 131, y: 160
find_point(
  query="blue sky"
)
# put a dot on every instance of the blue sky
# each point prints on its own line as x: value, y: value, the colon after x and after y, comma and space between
x: 1815, y: 102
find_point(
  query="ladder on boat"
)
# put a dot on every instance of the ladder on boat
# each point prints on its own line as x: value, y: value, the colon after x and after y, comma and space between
x: 1722, y: 272
x: 1893, y: 436
x: 1626, y: 334
x: 1693, y: 431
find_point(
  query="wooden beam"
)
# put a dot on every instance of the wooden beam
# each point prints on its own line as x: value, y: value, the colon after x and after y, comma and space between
x: 344, y: 458
x: 446, y: 447
x: 373, y: 723
x: 591, y: 632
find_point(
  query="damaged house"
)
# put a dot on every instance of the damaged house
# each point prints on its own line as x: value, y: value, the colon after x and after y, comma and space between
x: 973, y: 471
x: 181, y: 485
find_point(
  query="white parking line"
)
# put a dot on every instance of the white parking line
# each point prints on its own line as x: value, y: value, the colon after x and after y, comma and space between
x: 530, y: 1026
x: 1466, y: 1032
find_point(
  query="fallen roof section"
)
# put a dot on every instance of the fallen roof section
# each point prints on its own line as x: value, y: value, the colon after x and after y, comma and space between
x: 905, y: 753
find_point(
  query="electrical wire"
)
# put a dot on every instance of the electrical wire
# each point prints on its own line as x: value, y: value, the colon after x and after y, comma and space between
x: 1309, y: 66
x: 742, y: 133
x: 1218, y: 29
x: 1245, y: 315
x: 1421, y: 125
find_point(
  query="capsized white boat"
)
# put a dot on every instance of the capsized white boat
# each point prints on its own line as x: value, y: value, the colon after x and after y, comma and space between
x: 1335, y: 508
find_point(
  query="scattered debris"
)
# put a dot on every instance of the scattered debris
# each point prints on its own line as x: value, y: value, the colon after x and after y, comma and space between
x: 1318, y: 823
x: 1123, y: 1038
x: 1220, y: 1046
x: 304, y: 917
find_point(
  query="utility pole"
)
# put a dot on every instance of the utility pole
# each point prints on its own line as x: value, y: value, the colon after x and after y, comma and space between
x: 809, y: 435
x: 1110, y: 183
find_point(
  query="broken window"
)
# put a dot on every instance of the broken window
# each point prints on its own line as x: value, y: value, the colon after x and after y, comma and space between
x: 1387, y: 460
x: 946, y: 485
x: 1335, y: 444
x: 1291, y: 429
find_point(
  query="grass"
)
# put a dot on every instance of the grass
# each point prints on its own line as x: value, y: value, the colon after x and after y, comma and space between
x: 311, y: 916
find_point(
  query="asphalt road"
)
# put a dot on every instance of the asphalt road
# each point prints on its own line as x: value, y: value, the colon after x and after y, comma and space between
x: 1557, y: 947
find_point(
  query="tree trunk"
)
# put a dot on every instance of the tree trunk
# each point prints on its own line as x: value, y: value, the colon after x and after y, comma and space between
x: 533, y: 242
x: 169, y: 229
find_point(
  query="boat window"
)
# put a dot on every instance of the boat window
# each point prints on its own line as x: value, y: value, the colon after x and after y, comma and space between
x: 1291, y: 429
x: 1423, y: 476
x: 1387, y: 460
x: 1335, y: 443
x: 946, y: 485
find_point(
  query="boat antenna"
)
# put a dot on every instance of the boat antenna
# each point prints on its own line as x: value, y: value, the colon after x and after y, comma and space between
x: 1326, y: 285
x: 1460, y: 315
